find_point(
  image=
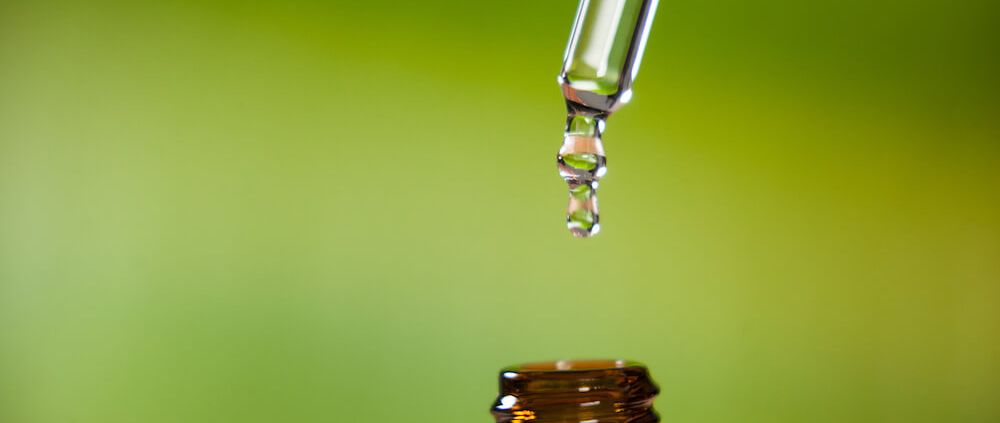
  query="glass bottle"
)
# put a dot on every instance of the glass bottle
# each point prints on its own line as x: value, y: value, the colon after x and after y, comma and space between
x: 583, y: 391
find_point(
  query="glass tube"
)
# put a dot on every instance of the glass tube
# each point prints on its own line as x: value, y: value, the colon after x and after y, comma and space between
x: 604, y: 52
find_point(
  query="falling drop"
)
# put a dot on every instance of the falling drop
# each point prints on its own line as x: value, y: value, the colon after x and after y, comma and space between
x: 581, y: 164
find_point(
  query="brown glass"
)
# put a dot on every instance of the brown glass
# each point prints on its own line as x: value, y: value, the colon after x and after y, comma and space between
x: 580, y: 391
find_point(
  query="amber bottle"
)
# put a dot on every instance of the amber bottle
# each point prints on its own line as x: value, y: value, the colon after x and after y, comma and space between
x: 580, y: 391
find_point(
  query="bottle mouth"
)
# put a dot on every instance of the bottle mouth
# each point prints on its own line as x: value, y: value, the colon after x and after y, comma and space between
x: 572, y: 365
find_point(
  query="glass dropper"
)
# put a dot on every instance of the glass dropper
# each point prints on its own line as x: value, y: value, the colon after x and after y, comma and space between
x: 602, y: 58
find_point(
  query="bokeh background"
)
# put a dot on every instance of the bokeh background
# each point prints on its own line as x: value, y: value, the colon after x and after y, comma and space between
x: 298, y: 211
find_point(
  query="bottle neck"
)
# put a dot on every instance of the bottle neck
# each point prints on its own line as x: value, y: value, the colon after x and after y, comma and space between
x: 603, y: 391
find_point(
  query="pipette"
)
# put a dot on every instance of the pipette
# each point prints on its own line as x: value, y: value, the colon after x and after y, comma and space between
x: 602, y: 58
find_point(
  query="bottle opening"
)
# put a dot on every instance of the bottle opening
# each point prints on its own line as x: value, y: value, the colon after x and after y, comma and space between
x: 570, y: 365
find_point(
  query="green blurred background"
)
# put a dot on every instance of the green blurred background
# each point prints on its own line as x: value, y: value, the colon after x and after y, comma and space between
x: 333, y: 212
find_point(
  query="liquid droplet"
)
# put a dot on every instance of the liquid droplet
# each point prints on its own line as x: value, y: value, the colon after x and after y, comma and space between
x: 581, y: 192
x: 581, y: 164
x: 585, y: 161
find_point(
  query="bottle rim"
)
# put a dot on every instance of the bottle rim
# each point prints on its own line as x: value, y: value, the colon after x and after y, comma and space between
x: 560, y: 366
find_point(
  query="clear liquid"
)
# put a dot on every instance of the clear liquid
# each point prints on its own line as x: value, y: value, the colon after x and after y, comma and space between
x: 582, y: 163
